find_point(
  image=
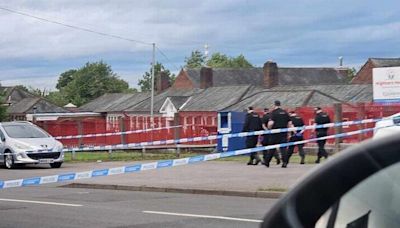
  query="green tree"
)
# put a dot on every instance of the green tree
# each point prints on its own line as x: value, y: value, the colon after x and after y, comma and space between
x: 196, y: 59
x: 58, y: 97
x: 240, y: 62
x: 351, y: 73
x: 145, y: 82
x: 65, y: 78
x: 3, y: 107
x: 35, y: 91
x: 87, y: 83
x: 217, y: 60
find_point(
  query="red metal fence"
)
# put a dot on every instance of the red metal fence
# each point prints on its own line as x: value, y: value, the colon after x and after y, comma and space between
x: 350, y: 112
x: 196, y: 124
x: 191, y: 128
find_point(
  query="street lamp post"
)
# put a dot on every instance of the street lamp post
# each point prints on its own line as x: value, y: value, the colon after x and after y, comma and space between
x: 152, y: 86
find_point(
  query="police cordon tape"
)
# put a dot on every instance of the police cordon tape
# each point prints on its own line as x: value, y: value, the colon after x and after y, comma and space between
x: 215, y: 137
x: 34, y: 181
x: 116, y: 133
x: 346, y: 123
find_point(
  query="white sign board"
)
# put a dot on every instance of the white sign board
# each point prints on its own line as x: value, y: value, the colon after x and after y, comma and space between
x: 386, y: 84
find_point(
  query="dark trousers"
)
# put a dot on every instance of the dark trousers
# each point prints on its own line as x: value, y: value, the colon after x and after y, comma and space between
x: 251, y: 142
x: 266, y: 142
x: 321, y: 145
x: 277, y: 139
x: 295, y: 138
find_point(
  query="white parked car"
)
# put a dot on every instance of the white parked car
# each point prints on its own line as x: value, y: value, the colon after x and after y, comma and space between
x: 25, y: 143
x: 389, y: 127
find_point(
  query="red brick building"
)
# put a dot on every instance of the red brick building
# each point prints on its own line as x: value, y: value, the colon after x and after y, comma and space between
x: 364, y: 75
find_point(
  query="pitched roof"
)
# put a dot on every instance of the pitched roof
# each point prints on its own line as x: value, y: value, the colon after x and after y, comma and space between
x: 24, y: 105
x: 216, y: 98
x: 159, y: 99
x: 114, y: 102
x: 27, y: 105
x: 267, y: 98
x: 296, y: 96
x: 178, y: 101
x: 386, y: 62
x: 310, y: 76
x: 286, y: 76
x: 13, y: 94
x: 346, y: 93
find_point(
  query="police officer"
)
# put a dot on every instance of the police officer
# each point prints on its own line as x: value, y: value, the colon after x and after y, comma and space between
x: 321, y: 118
x: 279, y: 119
x: 252, y: 123
x: 296, y: 136
x: 266, y: 137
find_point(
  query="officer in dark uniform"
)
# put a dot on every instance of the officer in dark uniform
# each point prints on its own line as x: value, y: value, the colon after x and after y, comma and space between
x: 296, y: 136
x: 266, y: 137
x: 252, y: 123
x: 321, y: 118
x: 279, y: 119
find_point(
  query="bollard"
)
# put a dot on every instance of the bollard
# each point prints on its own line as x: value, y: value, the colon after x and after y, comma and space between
x: 110, y: 154
x: 143, y: 152
x: 73, y: 155
x: 178, y: 150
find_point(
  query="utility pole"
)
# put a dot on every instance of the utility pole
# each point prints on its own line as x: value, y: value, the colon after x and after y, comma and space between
x: 152, y: 86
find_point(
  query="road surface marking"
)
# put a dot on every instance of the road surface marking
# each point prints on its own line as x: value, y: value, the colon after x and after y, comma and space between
x: 203, y: 216
x: 42, y: 202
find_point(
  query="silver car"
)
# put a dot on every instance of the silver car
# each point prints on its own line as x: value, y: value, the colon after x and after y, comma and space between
x: 25, y: 143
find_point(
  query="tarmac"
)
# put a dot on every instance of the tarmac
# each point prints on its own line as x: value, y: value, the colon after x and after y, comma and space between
x: 230, y: 178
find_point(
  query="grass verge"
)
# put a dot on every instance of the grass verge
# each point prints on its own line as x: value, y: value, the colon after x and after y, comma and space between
x: 138, y: 156
x: 121, y: 156
x: 272, y: 189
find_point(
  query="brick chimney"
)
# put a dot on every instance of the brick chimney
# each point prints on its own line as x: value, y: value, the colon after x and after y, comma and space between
x: 270, y: 74
x: 206, y: 77
x: 162, y: 82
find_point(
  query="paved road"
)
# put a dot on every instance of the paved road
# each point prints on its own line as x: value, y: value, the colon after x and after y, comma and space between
x: 216, y: 175
x: 63, y: 207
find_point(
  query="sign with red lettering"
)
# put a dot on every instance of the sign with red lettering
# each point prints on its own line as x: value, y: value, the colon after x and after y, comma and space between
x: 386, y: 84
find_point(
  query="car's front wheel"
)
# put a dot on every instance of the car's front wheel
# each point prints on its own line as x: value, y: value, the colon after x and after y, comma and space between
x: 56, y: 165
x: 8, y: 161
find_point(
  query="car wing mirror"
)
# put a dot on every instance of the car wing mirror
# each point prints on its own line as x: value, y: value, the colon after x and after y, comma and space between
x: 304, y: 205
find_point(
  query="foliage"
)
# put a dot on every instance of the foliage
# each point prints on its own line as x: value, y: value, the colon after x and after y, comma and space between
x: 351, y: 73
x: 3, y: 107
x: 217, y: 60
x: 87, y: 83
x: 145, y: 82
x: 58, y: 98
x: 65, y: 78
x: 195, y: 60
x: 35, y: 91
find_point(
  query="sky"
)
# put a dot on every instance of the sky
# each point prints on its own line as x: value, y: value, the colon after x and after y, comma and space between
x: 291, y: 32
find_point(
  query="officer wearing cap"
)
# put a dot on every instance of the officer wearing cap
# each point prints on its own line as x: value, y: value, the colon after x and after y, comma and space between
x: 266, y: 137
x: 279, y: 119
x: 296, y: 136
x: 252, y: 123
x: 321, y: 118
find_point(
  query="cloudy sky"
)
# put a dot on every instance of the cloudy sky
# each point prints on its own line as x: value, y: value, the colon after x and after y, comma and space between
x: 290, y: 32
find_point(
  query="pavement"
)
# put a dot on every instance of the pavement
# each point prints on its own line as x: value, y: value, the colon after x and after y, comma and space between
x: 229, y: 178
x: 47, y: 206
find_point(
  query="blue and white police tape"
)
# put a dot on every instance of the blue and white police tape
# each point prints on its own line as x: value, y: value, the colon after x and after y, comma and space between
x: 346, y: 123
x: 34, y: 181
x: 115, y: 133
x: 214, y: 137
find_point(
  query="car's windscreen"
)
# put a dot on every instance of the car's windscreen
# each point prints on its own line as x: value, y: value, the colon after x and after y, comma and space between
x: 24, y: 131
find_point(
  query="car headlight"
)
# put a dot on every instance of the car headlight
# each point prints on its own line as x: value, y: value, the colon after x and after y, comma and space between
x: 21, y: 146
x: 19, y: 156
